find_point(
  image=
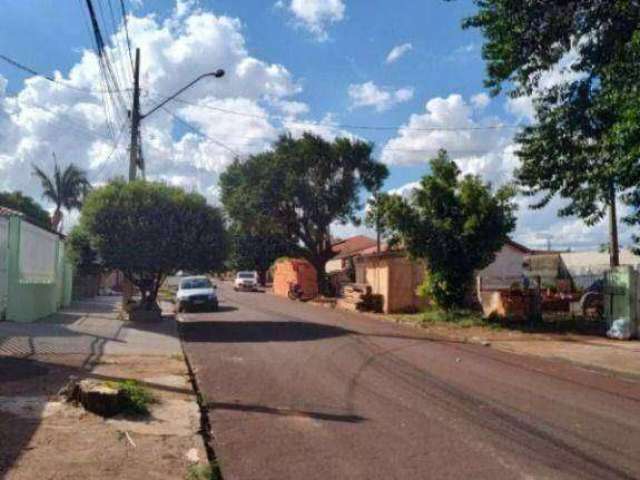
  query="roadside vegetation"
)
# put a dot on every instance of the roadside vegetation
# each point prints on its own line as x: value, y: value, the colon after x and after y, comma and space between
x: 203, y: 472
x: 136, y: 399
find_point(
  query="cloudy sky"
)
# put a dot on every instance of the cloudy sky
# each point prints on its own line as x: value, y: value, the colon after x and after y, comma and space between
x: 401, y: 74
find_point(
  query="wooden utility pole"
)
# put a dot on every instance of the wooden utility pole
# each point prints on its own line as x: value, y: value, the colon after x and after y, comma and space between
x: 134, y: 147
x: 614, y: 247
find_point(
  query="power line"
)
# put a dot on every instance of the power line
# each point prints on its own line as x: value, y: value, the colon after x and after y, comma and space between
x: 350, y: 126
x: 199, y: 132
x: 126, y: 30
x: 35, y: 73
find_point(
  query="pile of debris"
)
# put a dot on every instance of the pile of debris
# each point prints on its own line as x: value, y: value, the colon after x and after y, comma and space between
x: 358, y: 297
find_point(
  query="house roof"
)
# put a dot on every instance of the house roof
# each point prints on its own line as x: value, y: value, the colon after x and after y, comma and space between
x: 10, y: 212
x: 352, y: 245
x: 518, y: 246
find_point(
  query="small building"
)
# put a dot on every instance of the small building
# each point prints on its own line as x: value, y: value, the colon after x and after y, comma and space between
x: 35, y: 276
x: 581, y: 268
x: 393, y: 275
x: 290, y: 271
x: 508, y: 266
x: 346, y: 250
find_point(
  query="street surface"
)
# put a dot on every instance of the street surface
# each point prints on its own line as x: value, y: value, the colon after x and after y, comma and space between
x: 297, y: 391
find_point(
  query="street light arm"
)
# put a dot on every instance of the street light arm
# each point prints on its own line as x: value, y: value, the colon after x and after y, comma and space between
x: 216, y: 74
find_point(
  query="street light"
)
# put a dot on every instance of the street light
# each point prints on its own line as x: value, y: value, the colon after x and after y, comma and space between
x: 137, y: 117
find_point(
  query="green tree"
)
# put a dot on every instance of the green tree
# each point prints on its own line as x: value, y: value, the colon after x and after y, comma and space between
x: 27, y: 206
x: 148, y: 230
x: 585, y: 142
x: 299, y: 189
x: 65, y: 188
x: 257, y: 252
x: 81, y: 252
x: 456, y: 225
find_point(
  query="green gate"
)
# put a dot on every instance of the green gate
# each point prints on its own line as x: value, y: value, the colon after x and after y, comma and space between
x: 620, y: 292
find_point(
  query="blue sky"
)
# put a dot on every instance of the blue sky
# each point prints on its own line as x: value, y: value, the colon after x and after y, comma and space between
x: 318, y: 61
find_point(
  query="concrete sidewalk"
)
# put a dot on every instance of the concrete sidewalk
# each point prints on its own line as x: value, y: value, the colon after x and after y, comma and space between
x: 90, y: 327
x: 40, y: 433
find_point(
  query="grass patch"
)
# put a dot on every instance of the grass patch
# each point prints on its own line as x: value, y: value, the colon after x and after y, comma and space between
x: 203, y: 472
x: 460, y: 318
x: 136, y: 398
x: 177, y: 356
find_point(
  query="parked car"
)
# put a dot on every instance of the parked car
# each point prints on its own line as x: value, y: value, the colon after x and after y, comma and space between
x: 246, y: 281
x: 196, y: 292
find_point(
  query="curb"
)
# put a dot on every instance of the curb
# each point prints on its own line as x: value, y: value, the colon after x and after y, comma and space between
x: 205, y: 425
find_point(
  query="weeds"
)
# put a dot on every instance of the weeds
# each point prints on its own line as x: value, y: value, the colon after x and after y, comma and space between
x: 135, y: 398
x: 203, y: 472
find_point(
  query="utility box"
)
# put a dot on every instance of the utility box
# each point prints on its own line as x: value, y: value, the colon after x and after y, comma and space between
x: 621, y: 302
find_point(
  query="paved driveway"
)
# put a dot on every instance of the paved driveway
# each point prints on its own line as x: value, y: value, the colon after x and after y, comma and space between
x: 296, y: 391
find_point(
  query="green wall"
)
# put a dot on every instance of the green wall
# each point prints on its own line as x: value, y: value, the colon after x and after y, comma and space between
x: 30, y: 301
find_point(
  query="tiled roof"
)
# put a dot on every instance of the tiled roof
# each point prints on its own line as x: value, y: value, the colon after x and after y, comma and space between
x: 352, y: 245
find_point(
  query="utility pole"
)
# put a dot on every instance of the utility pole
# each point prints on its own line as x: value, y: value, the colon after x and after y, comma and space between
x: 614, y: 247
x: 134, y: 147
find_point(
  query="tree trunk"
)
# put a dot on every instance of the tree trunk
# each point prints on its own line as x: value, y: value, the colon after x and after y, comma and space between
x: 56, y: 219
x: 320, y: 264
x: 614, y: 248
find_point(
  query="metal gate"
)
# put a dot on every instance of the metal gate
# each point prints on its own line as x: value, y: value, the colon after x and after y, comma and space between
x: 619, y: 294
x: 4, y: 268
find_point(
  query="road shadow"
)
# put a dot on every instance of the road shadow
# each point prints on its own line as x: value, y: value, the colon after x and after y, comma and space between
x: 286, y: 412
x: 258, y: 331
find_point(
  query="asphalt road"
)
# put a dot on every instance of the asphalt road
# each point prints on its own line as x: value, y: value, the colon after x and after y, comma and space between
x: 297, y: 391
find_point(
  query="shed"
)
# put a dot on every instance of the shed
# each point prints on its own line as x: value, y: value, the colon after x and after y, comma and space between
x: 289, y: 271
x: 394, y: 276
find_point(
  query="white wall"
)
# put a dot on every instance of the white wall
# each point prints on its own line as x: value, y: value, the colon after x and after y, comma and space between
x: 506, y: 268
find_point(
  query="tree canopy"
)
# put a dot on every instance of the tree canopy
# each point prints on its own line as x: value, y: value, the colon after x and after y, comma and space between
x: 148, y: 230
x: 299, y: 189
x: 26, y: 205
x: 456, y: 224
x: 585, y: 142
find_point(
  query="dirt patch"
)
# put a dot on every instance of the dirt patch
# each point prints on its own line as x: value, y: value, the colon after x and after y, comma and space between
x: 588, y: 351
x: 45, y: 438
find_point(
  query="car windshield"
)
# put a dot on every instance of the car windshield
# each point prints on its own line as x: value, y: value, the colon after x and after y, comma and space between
x: 246, y: 275
x: 195, y: 283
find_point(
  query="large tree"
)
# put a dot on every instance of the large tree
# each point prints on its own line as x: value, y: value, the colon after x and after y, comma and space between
x: 455, y: 224
x: 584, y: 142
x: 27, y: 206
x: 65, y: 189
x: 149, y: 230
x: 299, y: 189
x: 249, y: 251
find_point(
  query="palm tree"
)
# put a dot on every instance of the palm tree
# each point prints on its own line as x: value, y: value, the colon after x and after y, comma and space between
x: 65, y: 189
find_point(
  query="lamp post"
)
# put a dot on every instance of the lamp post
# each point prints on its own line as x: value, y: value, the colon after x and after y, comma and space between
x: 135, y: 161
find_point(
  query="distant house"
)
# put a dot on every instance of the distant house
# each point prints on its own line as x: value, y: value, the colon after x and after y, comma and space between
x: 582, y: 268
x: 392, y: 274
x: 347, y: 249
x: 508, y: 267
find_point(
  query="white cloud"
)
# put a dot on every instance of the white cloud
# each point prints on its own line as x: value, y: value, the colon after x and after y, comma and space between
x: 46, y: 117
x: 450, y: 123
x: 480, y: 100
x: 491, y: 154
x: 316, y: 15
x: 523, y: 108
x: 370, y: 95
x: 398, y: 51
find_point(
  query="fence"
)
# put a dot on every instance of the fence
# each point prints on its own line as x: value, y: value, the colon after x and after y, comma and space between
x: 34, y: 270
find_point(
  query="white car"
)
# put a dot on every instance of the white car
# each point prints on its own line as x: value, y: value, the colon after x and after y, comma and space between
x: 196, y: 292
x: 246, y: 281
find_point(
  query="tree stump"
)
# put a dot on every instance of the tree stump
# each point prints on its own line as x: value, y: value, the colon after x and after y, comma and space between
x: 97, y: 397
